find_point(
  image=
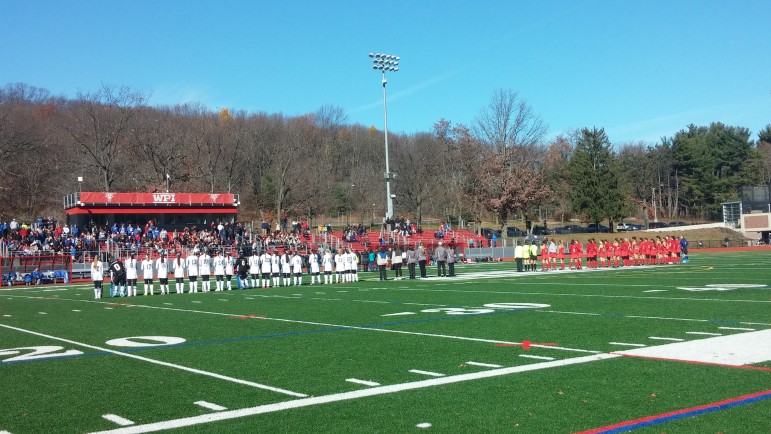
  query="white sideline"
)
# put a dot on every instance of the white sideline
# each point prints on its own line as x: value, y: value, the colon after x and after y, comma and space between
x: 336, y: 397
x: 159, y: 362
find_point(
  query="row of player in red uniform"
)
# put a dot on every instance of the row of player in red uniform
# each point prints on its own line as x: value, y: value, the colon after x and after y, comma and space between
x: 619, y: 252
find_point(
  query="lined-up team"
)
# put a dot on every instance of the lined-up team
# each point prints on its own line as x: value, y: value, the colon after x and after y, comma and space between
x: 258, y: 270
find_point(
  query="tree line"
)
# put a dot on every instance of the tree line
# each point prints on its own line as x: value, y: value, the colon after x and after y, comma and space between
x: 501, y: 167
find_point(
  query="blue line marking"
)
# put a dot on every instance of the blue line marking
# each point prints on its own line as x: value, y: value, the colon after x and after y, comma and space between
x: 271, y: 335
x: 685, y: 414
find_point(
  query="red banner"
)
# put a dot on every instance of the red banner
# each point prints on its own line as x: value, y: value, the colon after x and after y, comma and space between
x: 187, y: 199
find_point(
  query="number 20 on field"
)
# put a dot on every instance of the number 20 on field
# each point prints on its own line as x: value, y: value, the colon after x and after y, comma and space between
x: 25, y: 354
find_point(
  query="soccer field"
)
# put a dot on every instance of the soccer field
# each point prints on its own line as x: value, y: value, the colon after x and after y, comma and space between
x: 681, y: 348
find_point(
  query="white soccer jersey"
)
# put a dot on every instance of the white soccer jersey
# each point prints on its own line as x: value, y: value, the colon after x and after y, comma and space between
x: 348, y: 261
x: 328, y: 261
x: 179, y: 268
x: 204, y: 265
x: 266, y: 261
x: 97, y: 271
x: 162, y: 265
x: 286, y: 264
x: 192, y: 265
x: 131, y: 269
x: 339, y: 263
x: 313, y: 261
x: 229, y: 265
x: 254, y: 264
x: 219, y: 265
x: 297, y: 264
x: 275, y: 264
x: 147, y: 269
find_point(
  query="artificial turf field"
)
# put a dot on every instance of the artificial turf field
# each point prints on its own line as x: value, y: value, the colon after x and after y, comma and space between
x: 607, y: 352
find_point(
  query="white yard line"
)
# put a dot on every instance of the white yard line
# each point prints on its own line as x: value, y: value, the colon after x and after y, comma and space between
x: 744, y: 329
x: 210, y: 406
x: 558, y: 294
x: 375, y: 329
x: 484, y: 365
x: 357, y: 394
x: 529, y: 356
x: 665, y: 339
x: 704, y: 333
x: 656, y: 290
x: 114, y: 418
x: 161, y: 363
x: 429, y: 373
x: 363, y: 382
x: 624, y: 344
x: 644, y: 317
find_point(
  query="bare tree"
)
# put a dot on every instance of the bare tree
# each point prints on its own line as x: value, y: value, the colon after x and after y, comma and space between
x: 509, y: 122
x: 30, y: 167
x: 417, y: 163
x: 98, y: 124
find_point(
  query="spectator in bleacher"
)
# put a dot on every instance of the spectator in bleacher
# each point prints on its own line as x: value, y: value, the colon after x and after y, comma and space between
x: 37, y: 276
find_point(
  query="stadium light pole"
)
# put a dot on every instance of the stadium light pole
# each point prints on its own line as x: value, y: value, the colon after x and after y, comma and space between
x: 383, y: 63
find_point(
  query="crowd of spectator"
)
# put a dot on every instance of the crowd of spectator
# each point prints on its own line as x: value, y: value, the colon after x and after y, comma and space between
x: 46, y: 236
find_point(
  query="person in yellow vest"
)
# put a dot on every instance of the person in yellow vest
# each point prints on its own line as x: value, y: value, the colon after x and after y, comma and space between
x: 519, y: 256
x: 533, y: 256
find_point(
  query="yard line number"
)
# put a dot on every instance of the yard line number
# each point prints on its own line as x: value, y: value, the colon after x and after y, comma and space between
x: 24, y: 354
x: 488, y: 308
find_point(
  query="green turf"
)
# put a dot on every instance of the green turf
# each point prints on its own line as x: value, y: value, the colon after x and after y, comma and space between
x: 309, y: 340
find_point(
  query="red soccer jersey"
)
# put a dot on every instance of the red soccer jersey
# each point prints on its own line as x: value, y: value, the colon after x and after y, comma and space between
x: 591, y: 250
x: 575, y: 250
x: 625, y: 248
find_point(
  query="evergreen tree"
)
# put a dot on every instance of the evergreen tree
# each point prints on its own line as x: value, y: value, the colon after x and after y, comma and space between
x: 596, y: 188
x: 714, y: 163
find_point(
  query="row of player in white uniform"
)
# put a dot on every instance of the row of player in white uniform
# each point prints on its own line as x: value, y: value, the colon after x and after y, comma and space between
x: 270, y: 263
x: 199, y: 265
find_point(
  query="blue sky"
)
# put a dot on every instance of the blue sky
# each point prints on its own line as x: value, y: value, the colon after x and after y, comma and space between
x: 641, y: 70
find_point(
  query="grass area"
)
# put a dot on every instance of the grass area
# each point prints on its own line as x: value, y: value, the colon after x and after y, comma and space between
x: 442, y: 355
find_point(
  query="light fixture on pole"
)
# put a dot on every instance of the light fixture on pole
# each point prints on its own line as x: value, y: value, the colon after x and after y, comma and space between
x: 168, y: 177
x: 386, y: 62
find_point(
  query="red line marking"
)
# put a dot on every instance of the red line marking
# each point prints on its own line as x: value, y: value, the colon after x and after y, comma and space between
x: 673, y: 413
x: 695, y: 362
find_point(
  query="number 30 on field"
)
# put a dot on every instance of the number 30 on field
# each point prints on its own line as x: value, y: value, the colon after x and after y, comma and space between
x: 488, y: 308
x: 24, y: 354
